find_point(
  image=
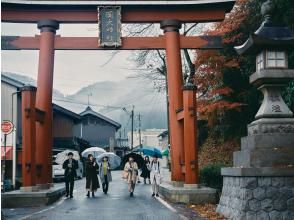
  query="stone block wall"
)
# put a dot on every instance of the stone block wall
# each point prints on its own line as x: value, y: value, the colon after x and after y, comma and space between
x: 257, y: 198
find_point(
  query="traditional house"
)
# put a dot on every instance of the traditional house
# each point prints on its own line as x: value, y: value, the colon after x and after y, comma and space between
x: 96, y: 128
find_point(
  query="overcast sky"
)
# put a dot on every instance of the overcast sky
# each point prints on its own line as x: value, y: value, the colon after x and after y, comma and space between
x: 73, y: 69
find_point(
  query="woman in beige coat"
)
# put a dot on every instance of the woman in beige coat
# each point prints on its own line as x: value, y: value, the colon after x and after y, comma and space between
x: 131, y: 168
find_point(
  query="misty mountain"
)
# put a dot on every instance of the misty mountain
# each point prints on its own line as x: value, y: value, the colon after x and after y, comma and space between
x: 111, y: 98
x: 29, y: 81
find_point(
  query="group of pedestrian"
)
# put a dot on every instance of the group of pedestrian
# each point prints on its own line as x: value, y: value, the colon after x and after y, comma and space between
x: 92, y: 171
x: 150, y: 172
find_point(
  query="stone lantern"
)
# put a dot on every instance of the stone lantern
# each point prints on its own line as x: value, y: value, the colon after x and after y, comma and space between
x: 261, y: 183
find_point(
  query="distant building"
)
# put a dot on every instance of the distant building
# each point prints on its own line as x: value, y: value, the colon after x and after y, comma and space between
x: 64, y: 122
x: 163, y: 140
x: 96, y: 128
x: 149, y: 137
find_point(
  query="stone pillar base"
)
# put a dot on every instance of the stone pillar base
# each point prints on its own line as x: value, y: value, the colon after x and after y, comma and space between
x: 177, y: 184
x: 44, y: 186
x: 261, y: 194
x: 189, y: 194
x: 29, y: 189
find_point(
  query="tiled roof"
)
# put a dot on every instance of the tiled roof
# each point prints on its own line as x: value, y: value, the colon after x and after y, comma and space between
x: 89, y: 111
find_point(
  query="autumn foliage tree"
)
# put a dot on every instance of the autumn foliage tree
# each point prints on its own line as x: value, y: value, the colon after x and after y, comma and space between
x: 225, y: 97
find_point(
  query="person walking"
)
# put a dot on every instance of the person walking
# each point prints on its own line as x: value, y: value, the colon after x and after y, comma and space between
x: 154, y: 167
x: 145, y: 171
x: 105, y: 174
x: 92, y: 182
x: 70, y: 166
x: 131, y: 168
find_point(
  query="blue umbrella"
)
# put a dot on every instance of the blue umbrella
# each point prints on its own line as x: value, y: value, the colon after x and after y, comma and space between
x: 150, y: 151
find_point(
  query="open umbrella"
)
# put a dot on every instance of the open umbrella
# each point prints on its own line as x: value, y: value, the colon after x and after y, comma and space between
x: 137, y: 158
x: 165, y: 152
x: 113, y: 159
x: 150, y: 151
x: 95, y: 151
x: 62, y: 156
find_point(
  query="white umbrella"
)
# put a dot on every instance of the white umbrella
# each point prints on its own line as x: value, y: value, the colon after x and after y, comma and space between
x: 62, y: 156
x: 95, y: 151
x: 113, y: 159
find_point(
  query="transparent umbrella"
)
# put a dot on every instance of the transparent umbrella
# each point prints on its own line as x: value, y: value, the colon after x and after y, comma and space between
x: 62, y: 156
x: 113, y: 159
x: 95, y: 151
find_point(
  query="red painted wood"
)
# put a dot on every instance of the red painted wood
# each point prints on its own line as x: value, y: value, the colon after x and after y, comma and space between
x: 175, y: 82
x: 28, y: 138
x: 128, y: 43
x: 44, y: 133
x: 190, y: 137
x: 132, y: 15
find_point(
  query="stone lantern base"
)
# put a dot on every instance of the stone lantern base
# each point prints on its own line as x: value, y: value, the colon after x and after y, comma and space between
x: 257, y: 193
x: 261, y: 183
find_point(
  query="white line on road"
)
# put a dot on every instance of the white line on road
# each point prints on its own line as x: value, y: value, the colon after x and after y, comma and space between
x: 170, y: 207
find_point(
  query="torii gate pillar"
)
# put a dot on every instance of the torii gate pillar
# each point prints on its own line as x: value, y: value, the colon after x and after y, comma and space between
x: 175, y: 95
x: 44, y: 102
x: 28, y: 94
x: 190, y: 134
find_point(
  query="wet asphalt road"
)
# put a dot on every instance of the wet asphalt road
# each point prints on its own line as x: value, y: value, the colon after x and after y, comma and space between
x: 115, y: 205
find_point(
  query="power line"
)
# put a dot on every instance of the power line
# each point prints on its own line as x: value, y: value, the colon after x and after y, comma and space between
x: 82, y: 103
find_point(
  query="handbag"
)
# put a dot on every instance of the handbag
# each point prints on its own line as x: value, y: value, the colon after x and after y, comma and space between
x: 125, y: 175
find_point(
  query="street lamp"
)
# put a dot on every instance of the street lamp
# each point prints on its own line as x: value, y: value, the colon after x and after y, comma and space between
x: 270, y: 44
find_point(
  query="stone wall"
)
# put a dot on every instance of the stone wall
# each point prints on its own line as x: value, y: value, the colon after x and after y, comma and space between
x: 257, y: 198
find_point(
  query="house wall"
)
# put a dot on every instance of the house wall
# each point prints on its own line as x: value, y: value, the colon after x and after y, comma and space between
x: 62, y: 126
x: 95, y: 130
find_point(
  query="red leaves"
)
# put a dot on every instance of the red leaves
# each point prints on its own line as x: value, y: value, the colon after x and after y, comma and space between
x: 212, y: 93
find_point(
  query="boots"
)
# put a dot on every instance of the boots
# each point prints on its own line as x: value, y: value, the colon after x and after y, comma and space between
x: 93, y: 194
x: 88, y: 194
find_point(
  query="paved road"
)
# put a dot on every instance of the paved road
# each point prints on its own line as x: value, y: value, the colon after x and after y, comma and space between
x: 116, y: 205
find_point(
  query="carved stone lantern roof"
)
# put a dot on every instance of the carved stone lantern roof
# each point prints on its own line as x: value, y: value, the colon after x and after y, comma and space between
x: 268, y: 36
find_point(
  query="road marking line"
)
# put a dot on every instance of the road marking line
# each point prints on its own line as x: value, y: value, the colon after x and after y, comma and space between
x: 170, y: 208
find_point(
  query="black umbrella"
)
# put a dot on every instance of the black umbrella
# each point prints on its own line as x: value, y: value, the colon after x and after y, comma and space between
x: 137, y: 158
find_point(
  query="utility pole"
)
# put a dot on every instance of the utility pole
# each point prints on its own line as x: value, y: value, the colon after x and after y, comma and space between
x: 132, y: 135
x: 140, y: 141
x: 90, y: 94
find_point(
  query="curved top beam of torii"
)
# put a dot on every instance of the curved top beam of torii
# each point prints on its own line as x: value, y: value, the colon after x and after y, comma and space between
x: 116, y: 2
x: 133, y: 11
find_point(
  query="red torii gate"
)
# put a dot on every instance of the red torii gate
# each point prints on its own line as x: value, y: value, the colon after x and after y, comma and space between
x: 37, y: 105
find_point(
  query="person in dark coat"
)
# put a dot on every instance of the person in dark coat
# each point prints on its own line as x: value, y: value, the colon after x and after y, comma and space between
x: 70, y: 166
x: 145, y: 171
x: 92, y: 182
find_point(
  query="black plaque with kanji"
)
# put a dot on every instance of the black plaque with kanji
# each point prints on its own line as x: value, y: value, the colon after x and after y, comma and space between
x: 109, y: 26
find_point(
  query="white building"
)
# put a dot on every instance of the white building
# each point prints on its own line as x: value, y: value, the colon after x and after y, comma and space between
x: 10, y: 110
x: 149, y: 137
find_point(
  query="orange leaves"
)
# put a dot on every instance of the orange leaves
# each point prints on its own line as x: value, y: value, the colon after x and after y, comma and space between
x: 207, y: 211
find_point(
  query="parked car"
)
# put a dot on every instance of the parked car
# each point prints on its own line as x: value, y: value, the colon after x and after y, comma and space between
x: 58, y: 171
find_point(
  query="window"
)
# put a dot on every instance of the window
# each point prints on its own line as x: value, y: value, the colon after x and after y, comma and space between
x: 259, y: 61
x: 276, y: 59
